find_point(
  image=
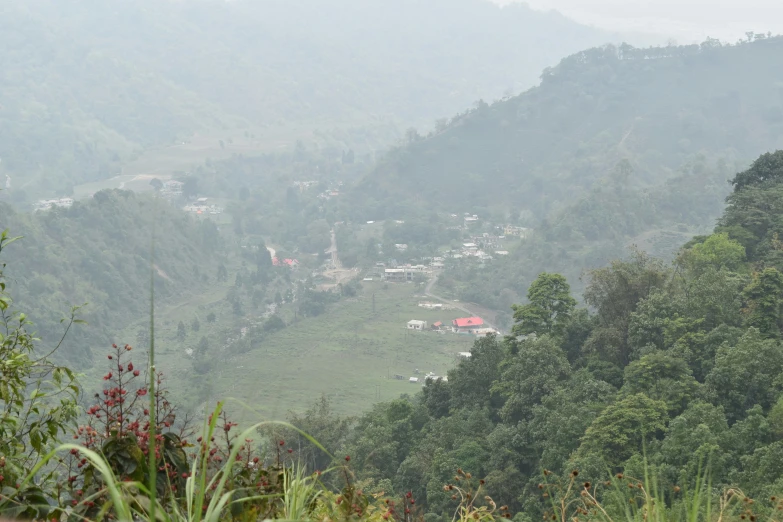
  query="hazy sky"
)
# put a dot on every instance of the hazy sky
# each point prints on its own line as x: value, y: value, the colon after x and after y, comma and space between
x: 685, y: 20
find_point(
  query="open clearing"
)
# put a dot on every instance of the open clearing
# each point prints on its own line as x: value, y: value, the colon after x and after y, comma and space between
x: 349, y: 353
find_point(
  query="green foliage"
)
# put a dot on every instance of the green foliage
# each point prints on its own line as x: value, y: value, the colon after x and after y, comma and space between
x: 97, y: 252
x: 746, y: 374
x: 767, y: 169
x: 615, y: 292
x: 661, y: 377
x: 717, y: 251
x: 38, y: 406
x: 620, y: 430
x: 520, y: 388
x: 549, y: 309
x: 763, y: 298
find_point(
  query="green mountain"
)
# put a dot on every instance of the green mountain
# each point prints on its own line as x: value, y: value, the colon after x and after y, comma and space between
x: 616, y: 147
x: 86, y: 84
x: 540, y: 151
x: 98, y: 252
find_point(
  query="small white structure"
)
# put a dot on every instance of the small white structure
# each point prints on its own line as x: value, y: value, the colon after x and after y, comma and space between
x: 46, y: 204
x: 417, y: 325
x: 432, y: 377
x: 413, y: 379
x: 465, y: 355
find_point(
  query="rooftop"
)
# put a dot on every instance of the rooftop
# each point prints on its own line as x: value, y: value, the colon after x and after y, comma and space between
x: 464, y: 322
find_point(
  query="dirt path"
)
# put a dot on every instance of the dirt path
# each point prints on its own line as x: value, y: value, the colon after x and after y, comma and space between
x: 337, y: 272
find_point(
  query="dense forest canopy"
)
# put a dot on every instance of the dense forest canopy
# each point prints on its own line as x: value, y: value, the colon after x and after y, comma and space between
x: 88, y: 83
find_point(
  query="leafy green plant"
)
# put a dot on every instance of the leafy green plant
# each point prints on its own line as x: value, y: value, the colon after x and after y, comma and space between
x: 37, y: 406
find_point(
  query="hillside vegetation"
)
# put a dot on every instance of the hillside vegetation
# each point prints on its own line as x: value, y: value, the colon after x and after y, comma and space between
x: 673, y: 372
x: 540, y: 151
x: 617, y: 147
x: 89, y: 84
x: 98, y: 252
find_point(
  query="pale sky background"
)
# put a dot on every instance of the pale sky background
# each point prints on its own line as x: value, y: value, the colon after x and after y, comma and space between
x: 687, y: 21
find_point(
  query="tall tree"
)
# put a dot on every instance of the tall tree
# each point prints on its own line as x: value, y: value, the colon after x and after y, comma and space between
x: 767, y: 168
x: 615, y: 292
x: 549, y: 309
x: 763, y: 302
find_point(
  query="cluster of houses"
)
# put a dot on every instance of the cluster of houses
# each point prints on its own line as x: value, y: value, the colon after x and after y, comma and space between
x: 202, y: 206
x: 462, y: 325
x: 46, y: 204
x: 478, y: 247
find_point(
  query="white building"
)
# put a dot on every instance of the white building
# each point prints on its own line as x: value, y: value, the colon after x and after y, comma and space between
x: 415, y: 324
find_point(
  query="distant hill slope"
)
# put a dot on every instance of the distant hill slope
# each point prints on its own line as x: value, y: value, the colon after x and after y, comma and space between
x: 98, y: 252
x: 542, y: 150
x: 616, y: 147
x: 85, y: 83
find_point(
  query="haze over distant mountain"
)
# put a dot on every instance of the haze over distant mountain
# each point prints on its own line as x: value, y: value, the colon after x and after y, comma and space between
x: 654, y: 108
x: 689, y: 21
x: 86, y: 84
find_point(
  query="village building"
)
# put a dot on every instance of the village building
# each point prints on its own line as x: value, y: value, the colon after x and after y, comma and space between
x: 483, y: 332
x: 415, y: 324
x: 397, y: 275
x: 467, y: 325
x: 290, y: 263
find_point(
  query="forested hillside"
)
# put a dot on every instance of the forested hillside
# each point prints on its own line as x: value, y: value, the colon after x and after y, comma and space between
x: 98, y: 252
x: 674, y: 366
x: 87, y: 84
x: 617, y: 147
x: 540, y: 151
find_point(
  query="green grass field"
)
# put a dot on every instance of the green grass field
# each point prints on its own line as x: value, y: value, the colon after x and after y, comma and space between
x: 348, y: 353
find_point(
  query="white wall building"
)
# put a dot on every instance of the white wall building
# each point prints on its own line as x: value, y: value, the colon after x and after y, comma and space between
x: 415, y: 324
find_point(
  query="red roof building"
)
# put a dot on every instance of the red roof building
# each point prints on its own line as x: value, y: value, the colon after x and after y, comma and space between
x: 467, y: 323
x: 291, y: 263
